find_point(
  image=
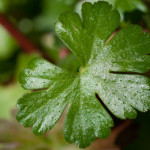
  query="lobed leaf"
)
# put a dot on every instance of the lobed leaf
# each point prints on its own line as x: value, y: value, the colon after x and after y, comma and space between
x: 114, y: 69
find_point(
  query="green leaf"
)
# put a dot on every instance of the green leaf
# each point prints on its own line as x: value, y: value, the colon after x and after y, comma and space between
x: 10, y: 93
x: 72, y: 32
x: 70, y: 63
x: 114, y: 69
x: 122, y: 6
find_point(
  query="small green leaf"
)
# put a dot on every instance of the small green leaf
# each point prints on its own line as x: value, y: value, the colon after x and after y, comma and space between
x: 122, y: 6
x: 114, y: 69
x: 71, y: 29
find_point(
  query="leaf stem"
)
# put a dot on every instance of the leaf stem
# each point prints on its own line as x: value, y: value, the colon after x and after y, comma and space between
x: 27, y: 46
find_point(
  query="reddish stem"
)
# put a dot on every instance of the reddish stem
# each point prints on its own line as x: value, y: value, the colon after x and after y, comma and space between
x: 18, y: 36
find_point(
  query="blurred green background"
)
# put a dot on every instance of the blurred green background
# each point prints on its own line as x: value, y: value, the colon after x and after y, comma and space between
x: 34, y: 20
